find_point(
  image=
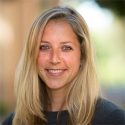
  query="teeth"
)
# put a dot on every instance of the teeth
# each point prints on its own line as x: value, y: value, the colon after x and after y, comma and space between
x: 55, y: 70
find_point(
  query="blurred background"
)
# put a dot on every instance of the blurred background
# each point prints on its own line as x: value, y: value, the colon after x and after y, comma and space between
x: 106, y: 21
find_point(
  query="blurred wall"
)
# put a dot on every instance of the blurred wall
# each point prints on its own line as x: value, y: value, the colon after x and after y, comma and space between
x: 16, y: 17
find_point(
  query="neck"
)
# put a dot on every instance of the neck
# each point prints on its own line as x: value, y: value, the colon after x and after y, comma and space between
x: 57, y: 100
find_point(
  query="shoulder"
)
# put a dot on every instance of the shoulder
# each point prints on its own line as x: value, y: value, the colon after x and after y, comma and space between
x: 107, y: 113
x: 8, y: 120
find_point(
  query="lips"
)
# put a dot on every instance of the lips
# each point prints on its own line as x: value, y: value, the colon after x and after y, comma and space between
x: 55, y: 72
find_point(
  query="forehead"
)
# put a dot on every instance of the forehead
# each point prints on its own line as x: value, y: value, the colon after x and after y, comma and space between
x: 58, y: 25
x: 57, y: 31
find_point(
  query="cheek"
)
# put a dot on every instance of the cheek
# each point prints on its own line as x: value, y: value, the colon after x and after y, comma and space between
x: 76, y: 63
x: 41, y: 60
x: 73, y: 61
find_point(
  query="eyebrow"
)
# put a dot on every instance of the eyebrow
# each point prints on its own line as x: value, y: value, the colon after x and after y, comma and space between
x: 44, y: 42
x: 65, y: 42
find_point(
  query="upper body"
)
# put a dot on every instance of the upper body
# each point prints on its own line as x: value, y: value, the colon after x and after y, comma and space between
x: 56, y: 72
x: 106, y: 113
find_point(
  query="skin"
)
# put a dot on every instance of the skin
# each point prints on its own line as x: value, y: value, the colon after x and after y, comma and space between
x: 58, y: 60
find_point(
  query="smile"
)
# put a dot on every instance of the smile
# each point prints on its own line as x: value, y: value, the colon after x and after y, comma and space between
x: 55, y: 72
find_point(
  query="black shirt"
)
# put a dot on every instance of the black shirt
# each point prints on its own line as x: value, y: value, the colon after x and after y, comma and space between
x: 106, y: 113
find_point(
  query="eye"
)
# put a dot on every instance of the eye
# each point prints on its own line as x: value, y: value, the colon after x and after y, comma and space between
x: 44, y: 47
x: 67, y: 48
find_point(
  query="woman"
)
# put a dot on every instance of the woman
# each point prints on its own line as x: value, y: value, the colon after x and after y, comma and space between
x: 56, y: 81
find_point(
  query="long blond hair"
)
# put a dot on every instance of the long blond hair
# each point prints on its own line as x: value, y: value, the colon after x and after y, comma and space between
x: 83, y: 94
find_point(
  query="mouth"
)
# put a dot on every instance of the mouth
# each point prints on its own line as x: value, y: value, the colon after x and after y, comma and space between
x: 55, y: 72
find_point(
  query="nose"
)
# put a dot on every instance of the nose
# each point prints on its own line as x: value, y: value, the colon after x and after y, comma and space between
x: 55, y: 57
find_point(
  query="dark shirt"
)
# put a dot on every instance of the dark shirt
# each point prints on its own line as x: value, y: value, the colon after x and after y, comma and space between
x: 106, y: 113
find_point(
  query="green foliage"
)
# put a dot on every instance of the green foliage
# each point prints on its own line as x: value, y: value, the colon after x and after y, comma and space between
x: 117, y: 6
x: 110, y: 55
x: 3, y: 108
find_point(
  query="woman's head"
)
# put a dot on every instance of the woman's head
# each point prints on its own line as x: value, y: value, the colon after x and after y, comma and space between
x: 59, y: 55
x: 82, y: 95
x: 59, y: 14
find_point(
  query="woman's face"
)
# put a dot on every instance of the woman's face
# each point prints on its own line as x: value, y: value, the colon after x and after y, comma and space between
x: 59, y: 55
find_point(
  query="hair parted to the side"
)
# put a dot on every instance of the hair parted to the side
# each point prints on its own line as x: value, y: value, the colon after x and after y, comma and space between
x: 30, y: 91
